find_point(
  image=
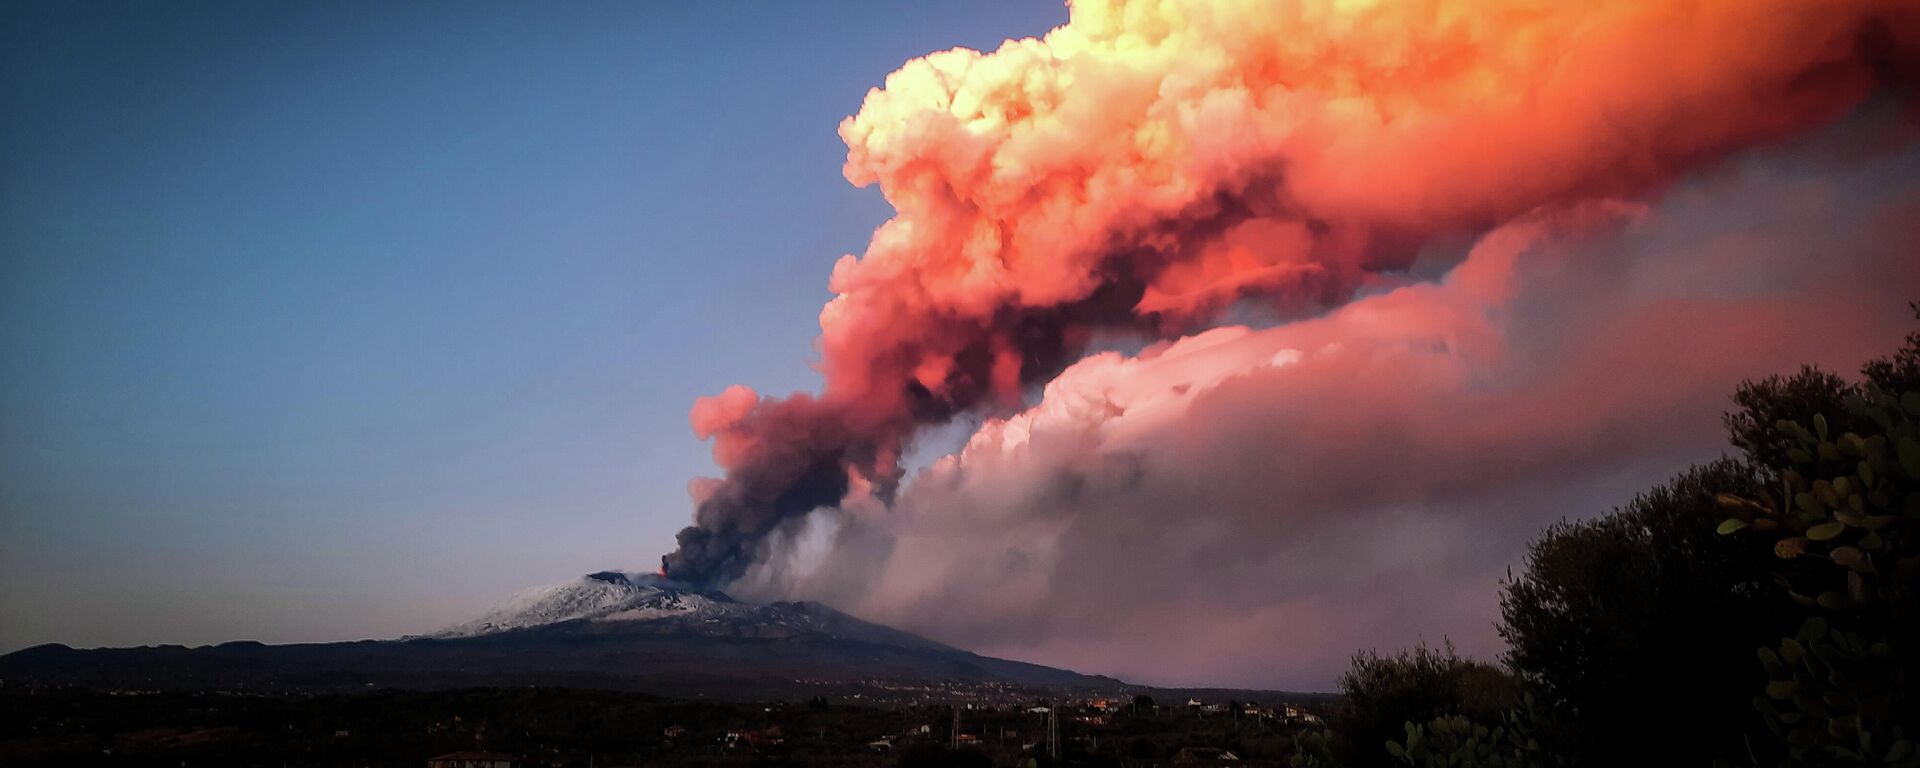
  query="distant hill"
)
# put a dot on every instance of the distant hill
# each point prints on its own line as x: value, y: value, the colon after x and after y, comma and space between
x: 606, y: 630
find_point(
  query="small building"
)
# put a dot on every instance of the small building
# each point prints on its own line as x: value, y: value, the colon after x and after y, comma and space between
x: 474, y: 760
x: 674, y: 732
x: 754, y: 739
x: 765, y: 738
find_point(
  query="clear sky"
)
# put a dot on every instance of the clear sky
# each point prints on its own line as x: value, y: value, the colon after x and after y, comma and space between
x: 341, y: 320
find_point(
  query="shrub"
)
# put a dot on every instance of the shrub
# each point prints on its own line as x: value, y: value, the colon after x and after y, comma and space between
x: 1385, y: 692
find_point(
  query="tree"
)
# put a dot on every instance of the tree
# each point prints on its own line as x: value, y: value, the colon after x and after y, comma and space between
x: 1899, y: 372
x: 1763, y: 404
x: 1638, y: 623
x: 1842, y: 524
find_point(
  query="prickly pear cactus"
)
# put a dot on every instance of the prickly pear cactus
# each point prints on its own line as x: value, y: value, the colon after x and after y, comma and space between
x: 1456, y: 742
x: 1311, y: 750
x: 1844, y: 527
x: 1829, y: 696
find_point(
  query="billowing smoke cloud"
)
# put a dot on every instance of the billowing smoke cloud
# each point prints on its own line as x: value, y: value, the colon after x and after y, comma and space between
x: 1153, y: 163
x: 1248, y: 507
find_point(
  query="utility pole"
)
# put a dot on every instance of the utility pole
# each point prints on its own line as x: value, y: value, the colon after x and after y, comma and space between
x: 956, y: 726
x: 1053, y: 733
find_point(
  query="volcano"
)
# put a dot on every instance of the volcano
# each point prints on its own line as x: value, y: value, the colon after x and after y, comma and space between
x: 611, y: 630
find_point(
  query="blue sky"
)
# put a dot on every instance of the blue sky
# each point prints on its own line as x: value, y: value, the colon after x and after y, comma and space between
x: 342, y: 320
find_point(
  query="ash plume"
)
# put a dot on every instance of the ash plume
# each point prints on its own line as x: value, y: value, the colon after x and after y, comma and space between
x: 1153, y: 163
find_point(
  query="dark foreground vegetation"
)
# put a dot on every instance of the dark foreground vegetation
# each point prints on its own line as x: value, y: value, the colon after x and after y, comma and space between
x: 562, y: 727
x: 1759, y: 610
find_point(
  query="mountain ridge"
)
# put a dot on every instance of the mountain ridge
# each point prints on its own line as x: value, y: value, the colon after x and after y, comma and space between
x: 607, y: 629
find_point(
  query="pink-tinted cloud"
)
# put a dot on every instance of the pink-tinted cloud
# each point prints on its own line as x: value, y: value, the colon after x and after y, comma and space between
x: 1154, y: 162
x: 1249, y: 506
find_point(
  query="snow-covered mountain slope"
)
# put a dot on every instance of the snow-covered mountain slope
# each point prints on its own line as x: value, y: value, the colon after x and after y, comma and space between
x: 606, y: 596
x: 616, y: 601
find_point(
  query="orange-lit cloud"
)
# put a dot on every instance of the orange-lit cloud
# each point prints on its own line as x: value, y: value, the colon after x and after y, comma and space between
x: 1152, y: 164
x: 1249, y: 506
